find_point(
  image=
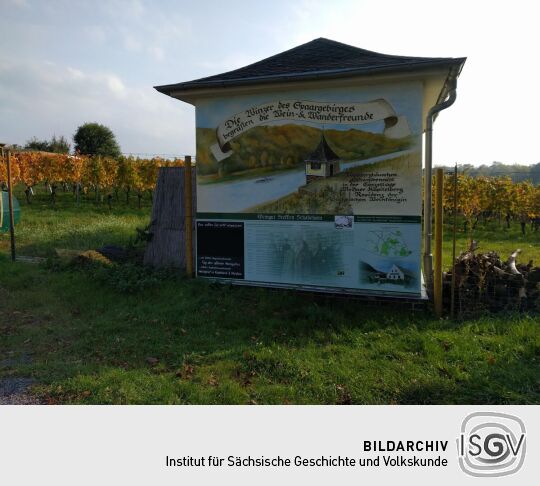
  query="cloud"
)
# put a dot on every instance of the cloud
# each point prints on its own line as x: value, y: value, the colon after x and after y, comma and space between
x: 146, y: 29
x: 130, y: 41
x: 131, y: 9
x: 156, y: 52
x: 116, y: 86
x: 95, y: 34
x: 75, y: 73
x: 19, y: 3
x: 42, y: 99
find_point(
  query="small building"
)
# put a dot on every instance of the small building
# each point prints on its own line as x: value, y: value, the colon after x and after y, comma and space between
x: 323, y: 162
x: 256, y: 123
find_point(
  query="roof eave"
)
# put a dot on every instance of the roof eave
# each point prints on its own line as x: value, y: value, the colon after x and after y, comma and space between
x: 190, y: 86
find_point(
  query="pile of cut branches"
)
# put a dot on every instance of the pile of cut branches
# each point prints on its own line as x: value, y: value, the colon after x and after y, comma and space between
x: 483, y: 281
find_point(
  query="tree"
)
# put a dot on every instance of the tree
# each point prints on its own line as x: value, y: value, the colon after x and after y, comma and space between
x: 57, y: 145
x: 96, y: 139
x: 36, y: 144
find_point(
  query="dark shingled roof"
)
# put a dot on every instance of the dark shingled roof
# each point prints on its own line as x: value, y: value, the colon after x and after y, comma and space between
x: 320, y: 58
x: 323, y: 153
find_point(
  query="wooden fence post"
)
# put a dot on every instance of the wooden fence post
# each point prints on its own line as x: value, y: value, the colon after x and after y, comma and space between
x: 437, y: 272
x: 188, y: 199
x: 10, y: 202
x: 454, y: 231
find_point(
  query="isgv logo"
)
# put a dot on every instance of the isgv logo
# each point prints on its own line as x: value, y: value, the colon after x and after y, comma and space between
x: 491, y: 444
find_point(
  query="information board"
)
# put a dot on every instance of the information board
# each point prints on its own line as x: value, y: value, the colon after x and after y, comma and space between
x: 315, y: 188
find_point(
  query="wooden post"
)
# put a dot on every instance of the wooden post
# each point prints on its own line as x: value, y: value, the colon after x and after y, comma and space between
x: 188, y: 195
x: 437, y: 271
x: 10, y: 200
x: 454, y: 231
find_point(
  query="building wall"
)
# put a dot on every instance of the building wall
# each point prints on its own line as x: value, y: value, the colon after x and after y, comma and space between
x: 322, y: 172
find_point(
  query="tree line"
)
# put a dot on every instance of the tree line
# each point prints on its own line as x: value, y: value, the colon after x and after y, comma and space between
x: 97, y: 166
x: 516, y: 172
x: 89, y: 139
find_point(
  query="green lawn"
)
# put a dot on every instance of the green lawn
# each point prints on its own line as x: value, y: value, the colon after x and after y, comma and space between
x: 83, y: 340
x: 66, y: 225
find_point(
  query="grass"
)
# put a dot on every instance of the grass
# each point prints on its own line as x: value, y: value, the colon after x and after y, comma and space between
x: 44, y: 228
x: 85, y: 340
x: 492, y: 236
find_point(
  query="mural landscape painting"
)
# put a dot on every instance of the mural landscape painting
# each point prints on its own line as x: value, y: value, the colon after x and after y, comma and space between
x: 280, y: 147
x: 330, y: 196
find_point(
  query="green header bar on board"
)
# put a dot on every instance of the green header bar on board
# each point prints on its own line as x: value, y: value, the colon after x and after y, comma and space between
x: 306, y: 217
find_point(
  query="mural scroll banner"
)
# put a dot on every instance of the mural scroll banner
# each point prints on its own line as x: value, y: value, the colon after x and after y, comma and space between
x: 310, y: 112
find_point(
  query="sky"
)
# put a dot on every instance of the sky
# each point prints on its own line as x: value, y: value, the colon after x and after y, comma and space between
x: 67, y: 62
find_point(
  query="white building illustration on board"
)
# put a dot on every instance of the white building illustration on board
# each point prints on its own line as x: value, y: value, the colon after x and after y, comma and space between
x: 395, y: 273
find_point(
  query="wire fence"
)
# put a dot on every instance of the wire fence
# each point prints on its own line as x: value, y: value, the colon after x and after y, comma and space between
x: 480, y: 282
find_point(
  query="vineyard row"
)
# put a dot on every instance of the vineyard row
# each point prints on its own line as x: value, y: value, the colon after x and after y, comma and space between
x: 477, y: 197
x: 100, y: 174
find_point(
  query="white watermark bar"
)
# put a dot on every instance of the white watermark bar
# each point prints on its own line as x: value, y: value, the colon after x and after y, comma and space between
x: 421, y: 445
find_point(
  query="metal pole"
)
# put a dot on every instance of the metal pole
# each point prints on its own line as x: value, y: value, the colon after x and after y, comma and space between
x: 188, y: 214
x: 428, y: 257
x: 454, y: 230
x: 437, y: 274
x: 10, y: 199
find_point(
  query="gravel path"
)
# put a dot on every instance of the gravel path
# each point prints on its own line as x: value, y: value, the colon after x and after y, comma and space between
x: 14, y: 391
x: 20, y: 399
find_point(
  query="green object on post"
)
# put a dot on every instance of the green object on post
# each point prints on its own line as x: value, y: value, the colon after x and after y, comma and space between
x: 4, y: 211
